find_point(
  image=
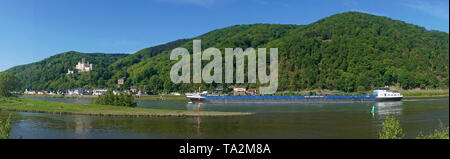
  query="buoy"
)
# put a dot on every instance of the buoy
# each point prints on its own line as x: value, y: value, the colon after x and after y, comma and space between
x: 373, y: 109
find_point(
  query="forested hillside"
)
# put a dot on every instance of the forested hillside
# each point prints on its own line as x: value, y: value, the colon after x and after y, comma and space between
x: 353, y: 51
x: 349, y: 51
x: 51, y: 73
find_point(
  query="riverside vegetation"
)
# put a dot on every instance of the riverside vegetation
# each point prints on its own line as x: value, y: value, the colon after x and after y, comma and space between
x: 109, y: 104
x: 5, y: 127
x: 108, y: 98
x: 8, y: 83
x: 391, y: 130
x: 31, y: 105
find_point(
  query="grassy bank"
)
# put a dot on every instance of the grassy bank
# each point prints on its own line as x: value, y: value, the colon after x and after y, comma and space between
x: 30, y: 105
x: 425, y: 93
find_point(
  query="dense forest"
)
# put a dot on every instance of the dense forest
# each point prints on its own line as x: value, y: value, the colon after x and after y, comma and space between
x: 51, y: 73
x: 350, y: 51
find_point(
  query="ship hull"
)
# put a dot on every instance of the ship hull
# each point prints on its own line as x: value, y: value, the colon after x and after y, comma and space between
x: 389, y: 99
x: 287, y: 99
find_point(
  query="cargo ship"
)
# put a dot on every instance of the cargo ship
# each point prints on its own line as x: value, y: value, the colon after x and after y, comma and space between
x: 379, y: 95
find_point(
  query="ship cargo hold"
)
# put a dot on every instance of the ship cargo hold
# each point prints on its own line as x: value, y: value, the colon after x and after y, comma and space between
x: 379, y: 95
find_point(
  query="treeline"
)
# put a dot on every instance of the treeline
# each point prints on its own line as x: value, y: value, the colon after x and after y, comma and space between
x: 350, y: 51
x: 8, y: 84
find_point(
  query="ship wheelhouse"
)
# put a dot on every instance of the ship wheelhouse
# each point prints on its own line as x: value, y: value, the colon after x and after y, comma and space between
x: 384, y: 94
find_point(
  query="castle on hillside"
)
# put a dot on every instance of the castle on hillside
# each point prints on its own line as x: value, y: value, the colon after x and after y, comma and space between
x: 82, y: 66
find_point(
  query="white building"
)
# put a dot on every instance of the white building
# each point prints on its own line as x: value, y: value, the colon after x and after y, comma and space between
x: 99, y: 91
x: 79, y: 91
x: 31, y: 92
x: 82, y: 66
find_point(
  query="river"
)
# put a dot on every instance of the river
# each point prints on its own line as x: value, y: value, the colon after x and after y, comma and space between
x: 301, y: 121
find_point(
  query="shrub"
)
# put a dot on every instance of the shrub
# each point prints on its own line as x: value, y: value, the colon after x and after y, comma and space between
x: 8, y: 83
x: 5, y: 127
x: 391, y: 129
x: 108, y: 98
x: 441, y: 133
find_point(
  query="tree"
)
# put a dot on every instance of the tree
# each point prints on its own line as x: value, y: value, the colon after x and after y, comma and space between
x: 5, y: 127
x: 391, y: 129
x: 108, y: 98
x: 8, y: 83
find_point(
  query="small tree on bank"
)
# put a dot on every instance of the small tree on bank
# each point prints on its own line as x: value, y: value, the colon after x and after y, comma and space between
x: 391, y: 129
x: 108, y: 98
x: 8, y: 83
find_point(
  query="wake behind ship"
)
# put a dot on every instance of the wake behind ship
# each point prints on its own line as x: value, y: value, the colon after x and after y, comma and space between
x: 379, y: 95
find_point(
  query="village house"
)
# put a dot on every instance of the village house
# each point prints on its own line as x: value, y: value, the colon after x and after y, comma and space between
x: 99, y: 91
x: 42, y: 92
x: 30, y: 92
x: 134, y: 89
x: 121, y: 81
x: 239, y: 91
x: 78, y: 91
x: 252, y: 92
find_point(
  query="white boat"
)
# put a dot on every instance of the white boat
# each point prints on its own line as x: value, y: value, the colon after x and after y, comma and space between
x: 384, y: 94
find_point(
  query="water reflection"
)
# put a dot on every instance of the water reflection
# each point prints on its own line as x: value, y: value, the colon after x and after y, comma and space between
x: 388, y: 108
x: 82, y: 125
x: 198, y: 125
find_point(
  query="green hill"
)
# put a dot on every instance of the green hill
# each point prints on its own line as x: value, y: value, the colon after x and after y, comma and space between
x: 348, y: 51
x: 51, y: 73
x: 355, y: 50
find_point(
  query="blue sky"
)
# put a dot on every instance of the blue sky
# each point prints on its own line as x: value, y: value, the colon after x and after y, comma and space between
x: 31, y: 30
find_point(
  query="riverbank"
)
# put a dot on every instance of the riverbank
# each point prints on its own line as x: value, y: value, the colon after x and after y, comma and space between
x: 31, y: 105
x: 425, y: 93
x: 147, y: 97
x: 416, y: 93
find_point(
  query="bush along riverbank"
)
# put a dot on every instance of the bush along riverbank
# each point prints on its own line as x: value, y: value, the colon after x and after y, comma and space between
x: 109, y: 98
x: 5, y: 127
x: 39, y: 106
x: 391, y: 130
